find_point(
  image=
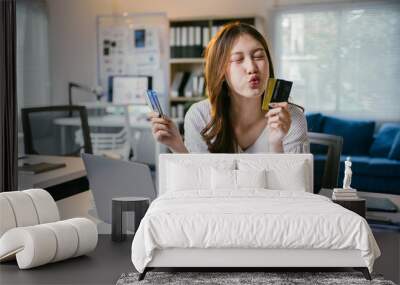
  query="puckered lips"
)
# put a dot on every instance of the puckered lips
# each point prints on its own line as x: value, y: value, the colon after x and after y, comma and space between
x: 254, y: 81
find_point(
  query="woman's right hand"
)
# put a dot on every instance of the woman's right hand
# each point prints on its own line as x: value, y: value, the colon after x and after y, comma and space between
x: 166, y: 132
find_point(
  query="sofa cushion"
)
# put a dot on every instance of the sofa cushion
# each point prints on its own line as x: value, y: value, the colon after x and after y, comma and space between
x: 384, y: 139
x: 357, y: 135
x: 314, y: 122
x: 395, y: 150
x: 384, y: 167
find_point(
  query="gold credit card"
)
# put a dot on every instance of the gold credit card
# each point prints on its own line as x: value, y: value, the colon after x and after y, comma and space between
x: 278, y: 90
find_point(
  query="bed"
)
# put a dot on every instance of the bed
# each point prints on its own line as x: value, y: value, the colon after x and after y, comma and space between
x: 246, y: 211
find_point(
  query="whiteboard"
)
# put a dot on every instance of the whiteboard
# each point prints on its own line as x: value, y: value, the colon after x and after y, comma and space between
x: 134, y: 45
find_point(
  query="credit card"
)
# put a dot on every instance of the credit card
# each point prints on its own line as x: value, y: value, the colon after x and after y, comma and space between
x: 153, y: 102
x: 278, y: 90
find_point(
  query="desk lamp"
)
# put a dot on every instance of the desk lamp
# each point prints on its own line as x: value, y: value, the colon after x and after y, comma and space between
x: 96, y: 90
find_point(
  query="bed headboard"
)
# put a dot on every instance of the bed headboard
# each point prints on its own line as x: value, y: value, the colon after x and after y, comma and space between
x: 285, y: 161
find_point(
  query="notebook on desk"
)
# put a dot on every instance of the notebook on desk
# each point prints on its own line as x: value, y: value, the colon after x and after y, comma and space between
x: 35, y: 168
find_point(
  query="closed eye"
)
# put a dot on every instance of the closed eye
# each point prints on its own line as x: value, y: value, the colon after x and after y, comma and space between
x: 236, y: 59
x: 259, y: 55
x: 259, y: 58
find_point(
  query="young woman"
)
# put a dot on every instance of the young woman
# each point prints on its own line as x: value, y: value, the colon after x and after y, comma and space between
x: 238, y: 65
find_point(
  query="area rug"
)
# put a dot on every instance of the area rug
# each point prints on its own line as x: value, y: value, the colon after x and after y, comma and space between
x: 243, y: 278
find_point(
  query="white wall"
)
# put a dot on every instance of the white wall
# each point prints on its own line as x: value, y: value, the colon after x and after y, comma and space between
x: 72, y: 43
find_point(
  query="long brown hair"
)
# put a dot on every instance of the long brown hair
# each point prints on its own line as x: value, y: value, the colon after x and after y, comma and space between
x: 218, y: 134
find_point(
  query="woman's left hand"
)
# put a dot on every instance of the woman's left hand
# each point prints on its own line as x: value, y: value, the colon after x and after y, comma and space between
x: 278, y: 125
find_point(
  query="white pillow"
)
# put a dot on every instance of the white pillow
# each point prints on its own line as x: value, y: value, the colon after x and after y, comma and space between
x: 223, y: 179
x: 293, y: 180
x: 182, y: 177
x: 281, y: 174
x: 251, y: 178
x: 228, y: 179
x: 184, y: 174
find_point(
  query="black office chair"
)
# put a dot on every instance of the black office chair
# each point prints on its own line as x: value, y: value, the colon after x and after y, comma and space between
x: 42, y: 134
x: 333, y: 149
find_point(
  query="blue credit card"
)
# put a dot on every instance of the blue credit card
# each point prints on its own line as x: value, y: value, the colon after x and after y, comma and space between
x: 153, y: 102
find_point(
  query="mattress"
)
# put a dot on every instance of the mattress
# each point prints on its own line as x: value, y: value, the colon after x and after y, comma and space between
x: 251, y: 219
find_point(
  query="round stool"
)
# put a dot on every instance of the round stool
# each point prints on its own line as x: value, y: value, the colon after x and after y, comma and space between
x: 138, y: 205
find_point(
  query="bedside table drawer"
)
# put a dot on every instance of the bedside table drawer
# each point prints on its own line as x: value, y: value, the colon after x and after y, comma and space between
x: 357, y: 206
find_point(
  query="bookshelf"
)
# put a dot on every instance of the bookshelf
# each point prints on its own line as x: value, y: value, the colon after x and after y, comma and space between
x: 188, y: 40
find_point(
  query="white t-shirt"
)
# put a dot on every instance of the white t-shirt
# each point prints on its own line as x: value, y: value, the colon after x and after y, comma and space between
x: 199, y: 115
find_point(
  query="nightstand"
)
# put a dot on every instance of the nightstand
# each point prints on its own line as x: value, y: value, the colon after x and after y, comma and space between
x: 357, y: 205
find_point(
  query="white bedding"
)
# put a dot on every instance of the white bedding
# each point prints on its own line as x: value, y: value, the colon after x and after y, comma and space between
x: 251, y: 218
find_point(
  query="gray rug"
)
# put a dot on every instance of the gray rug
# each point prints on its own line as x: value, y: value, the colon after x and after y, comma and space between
x: 228, y: 278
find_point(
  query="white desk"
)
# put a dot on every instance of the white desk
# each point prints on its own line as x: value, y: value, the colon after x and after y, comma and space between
x: 111, y: 121
x: 105, y: 121
x: 74, y: 169
x: 100, y: 121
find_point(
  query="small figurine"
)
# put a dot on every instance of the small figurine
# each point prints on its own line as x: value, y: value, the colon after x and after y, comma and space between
x: 347, y: 174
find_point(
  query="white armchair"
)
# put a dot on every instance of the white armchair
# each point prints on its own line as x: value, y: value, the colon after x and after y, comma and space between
x: 31, y: 230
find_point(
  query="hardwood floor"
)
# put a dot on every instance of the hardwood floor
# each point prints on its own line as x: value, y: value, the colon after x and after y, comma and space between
x: 388, y: 264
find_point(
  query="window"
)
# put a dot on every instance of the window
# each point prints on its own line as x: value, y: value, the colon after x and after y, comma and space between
x: 32, y: 53
x: 344, y: 59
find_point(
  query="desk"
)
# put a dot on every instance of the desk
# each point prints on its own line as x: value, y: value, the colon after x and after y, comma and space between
x: 105, y: 121
x: 111, y: 121
x: 100, y: 121
x: 55, y: 181
x: 138, y: 129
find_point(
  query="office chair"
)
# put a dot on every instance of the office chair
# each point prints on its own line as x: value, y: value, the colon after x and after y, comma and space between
x: 110, y: 178
x: 333, y: 148
x: 43, y: 135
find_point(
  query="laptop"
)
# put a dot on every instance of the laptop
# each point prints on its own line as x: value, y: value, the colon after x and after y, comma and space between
x: 111, y: 178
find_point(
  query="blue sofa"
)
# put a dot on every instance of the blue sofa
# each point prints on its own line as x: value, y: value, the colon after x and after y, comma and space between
x: 375, y: 155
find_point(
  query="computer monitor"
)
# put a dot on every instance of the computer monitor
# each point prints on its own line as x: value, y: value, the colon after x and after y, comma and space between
x: 129, y: 89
